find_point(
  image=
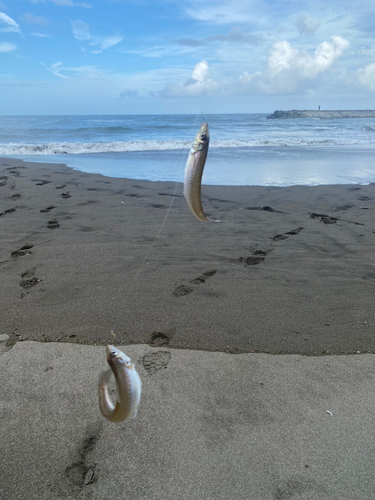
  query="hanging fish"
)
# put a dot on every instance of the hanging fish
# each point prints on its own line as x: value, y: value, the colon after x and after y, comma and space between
x: 128, y: 385
x: 194, y: 171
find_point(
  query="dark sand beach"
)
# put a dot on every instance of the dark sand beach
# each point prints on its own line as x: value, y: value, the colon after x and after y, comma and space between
x: 86, y: 259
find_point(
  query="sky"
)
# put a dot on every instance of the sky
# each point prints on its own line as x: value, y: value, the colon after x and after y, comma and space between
x: 185, y: 56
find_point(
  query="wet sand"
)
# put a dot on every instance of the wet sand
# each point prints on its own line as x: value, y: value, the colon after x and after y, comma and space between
x: 90, y: 259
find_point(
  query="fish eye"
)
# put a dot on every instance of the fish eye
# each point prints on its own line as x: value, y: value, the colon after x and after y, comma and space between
x: 113, y: 353
x: 203, y: 137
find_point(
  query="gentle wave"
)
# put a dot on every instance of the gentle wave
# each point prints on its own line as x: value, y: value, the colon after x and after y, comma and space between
x: 101, y: 129
x: 63, y: 131
x: 131, y: 146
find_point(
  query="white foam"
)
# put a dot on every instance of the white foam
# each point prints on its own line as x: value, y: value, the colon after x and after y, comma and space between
x: 59, y: 148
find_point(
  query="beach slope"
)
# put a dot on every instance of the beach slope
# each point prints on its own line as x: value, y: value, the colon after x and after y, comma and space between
x: 96, y: 260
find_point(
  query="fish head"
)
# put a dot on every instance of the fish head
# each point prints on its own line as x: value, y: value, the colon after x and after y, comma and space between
x: 203, y: 135
x: 115, y: 356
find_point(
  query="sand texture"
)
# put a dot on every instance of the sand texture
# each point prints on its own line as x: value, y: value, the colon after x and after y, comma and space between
x: 210, y: 426
x: 90, y: 259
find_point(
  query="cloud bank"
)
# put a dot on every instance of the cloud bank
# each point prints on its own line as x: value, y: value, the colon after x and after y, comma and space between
x: 286, y: 68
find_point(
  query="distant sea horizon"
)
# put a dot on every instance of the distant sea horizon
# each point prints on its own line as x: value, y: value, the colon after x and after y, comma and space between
x: 245, y: 149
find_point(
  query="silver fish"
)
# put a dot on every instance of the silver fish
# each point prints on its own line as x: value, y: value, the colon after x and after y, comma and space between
x: 194, y: 171
x: 128, y: 384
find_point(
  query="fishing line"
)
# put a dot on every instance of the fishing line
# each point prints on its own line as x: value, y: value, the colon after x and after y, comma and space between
x: 140, y: 268
x: 158, y: 233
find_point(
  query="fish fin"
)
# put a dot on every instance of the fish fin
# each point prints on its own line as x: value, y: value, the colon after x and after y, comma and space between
x: 104, y: 377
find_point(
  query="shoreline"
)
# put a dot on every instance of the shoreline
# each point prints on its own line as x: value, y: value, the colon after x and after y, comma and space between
x: 281, y: 166
x: 289, y: 269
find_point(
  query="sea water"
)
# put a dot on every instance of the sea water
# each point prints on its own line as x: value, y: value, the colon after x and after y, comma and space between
x: 245, y: 149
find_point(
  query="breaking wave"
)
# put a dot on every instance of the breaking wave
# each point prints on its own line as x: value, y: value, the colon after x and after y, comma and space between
x: 73, y: 148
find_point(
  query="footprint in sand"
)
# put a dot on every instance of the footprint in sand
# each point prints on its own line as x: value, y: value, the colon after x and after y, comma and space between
x: 156, y: 361
x: 257, y: 257
x: 28, y: 279
x: 29, y: 282
x: 284, y: 236
x: 134, y: 195
x: 158, y: 205
x: 66, y: 195
x: 158, y: 339
x: 61, y: 187
x: 7, y: 212
x: 266, y: 209
x: 48, y: 209
x: 327, y: 219
x: 29, y: 273
x: 25, y: 250
x: 53, y: 224
x: 183, y: 290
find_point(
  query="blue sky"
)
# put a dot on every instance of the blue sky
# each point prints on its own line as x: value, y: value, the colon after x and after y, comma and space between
x: 192, y: 56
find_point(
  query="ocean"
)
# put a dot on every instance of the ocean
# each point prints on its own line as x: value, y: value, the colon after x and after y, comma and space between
x: 245, y: 149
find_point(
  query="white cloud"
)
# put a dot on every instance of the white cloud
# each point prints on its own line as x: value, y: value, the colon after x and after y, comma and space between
x: 41, y: 35
x: 199, y: 83
x: 306, y: 25
x: 7, y: 47
x: 200, y: 72
x: 88, y: 72
x: 81, y: 30
x: 106, y: 42
x: 55, y: 69
x: 288, y: 66
x: 367, y: 77
x: 12, y: 26
x: 159, y: 51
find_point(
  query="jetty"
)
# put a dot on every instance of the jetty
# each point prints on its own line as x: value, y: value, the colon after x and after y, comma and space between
x: 296, y: 113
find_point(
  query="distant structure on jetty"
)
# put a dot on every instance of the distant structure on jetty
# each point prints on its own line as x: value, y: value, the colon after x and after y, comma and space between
x: 296, y: 113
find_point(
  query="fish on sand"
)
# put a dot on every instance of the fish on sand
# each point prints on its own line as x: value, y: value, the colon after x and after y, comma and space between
x: 194, y: 171
x: 128, y: 385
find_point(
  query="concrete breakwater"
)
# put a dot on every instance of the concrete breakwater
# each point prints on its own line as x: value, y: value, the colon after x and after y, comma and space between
x: 296, y: 113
